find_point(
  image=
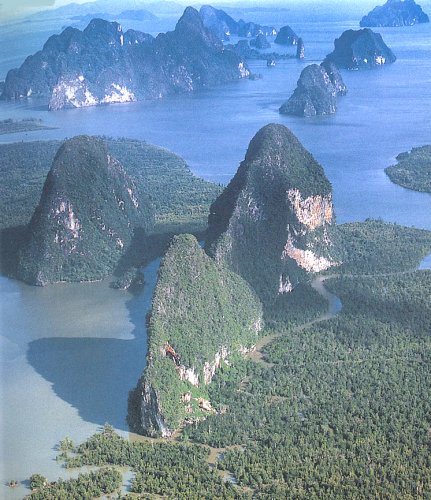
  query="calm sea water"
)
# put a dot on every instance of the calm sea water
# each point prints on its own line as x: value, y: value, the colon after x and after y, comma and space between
x: 70, y: 353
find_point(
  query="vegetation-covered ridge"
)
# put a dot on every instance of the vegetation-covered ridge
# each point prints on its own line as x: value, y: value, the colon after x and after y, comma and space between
x: 377, y: 247
x: 86, y: 216
x: 179, y: 200
x: 413, y: 170
x: 203, y: 316
x: 344, y: 411
x: 341, y: 407
x: 274, y: 222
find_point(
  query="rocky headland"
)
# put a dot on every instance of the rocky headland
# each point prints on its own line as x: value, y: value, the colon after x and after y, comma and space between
x: 202, y: 317
x: 413, y: 170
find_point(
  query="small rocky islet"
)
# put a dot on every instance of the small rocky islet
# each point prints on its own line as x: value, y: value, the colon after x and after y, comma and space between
x: 316, y: 92
x: 318, y: 86
x: 360, y: 49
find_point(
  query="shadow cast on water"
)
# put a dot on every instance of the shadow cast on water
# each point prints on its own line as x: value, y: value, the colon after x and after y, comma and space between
x: 95, y: 375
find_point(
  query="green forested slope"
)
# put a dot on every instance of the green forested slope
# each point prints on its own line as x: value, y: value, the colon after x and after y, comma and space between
x: 413, y: 170
x: 375, y: 246
x: 179, y: 200
x: 205, y: 313
x: 274, y: 222
x: 345, y: 411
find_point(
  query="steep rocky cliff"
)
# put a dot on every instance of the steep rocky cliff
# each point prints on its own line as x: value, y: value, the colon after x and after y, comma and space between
x: 202, y: 317
x: 103, y: 64
x: 218, y: 22
x: 85, y: 219
x: 395, y: 13
x: 273, y: 223
x: 316, y: 92
x: 360, y: 49
x: 300, y: 49
x: 223, y: 26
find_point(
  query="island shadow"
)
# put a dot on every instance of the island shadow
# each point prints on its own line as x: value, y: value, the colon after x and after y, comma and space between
x: 95, y: 375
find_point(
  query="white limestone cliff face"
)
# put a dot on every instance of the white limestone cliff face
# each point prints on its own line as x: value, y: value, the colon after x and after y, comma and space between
x: 68, y: 224
x: 208, y: 371
x: 245, y: 350
x: 285, y: 285
x: 116, y: 94
x: 210, y: 368
x: 71, y: 93
x: 313, y: 211
x: 243, y: 70
x: 306, y: 259
x: 257, y: 326
x: 188, y: 374
x: 75, y: 92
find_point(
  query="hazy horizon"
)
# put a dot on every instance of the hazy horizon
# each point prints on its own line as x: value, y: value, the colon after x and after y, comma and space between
x: 10, y: 9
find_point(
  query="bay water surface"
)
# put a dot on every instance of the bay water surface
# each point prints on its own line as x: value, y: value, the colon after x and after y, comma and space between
x: 71, y: 352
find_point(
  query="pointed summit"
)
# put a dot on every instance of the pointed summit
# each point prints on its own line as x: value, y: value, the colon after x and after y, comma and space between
x: 190, y: 27
x: 85, y: 218
x: 190, y: 18
x: 273, y: 222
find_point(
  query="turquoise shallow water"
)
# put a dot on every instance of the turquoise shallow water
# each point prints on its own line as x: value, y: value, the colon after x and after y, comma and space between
x: 70, y: 353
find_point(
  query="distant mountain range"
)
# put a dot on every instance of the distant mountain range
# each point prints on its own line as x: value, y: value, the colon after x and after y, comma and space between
x: 111, y: 7
x: 132, y: 15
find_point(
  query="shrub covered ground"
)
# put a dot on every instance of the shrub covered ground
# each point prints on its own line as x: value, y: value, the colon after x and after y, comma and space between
x: 413, y: 170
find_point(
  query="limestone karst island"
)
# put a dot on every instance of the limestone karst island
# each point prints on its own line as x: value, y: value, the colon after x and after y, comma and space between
x: 215, y: 251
